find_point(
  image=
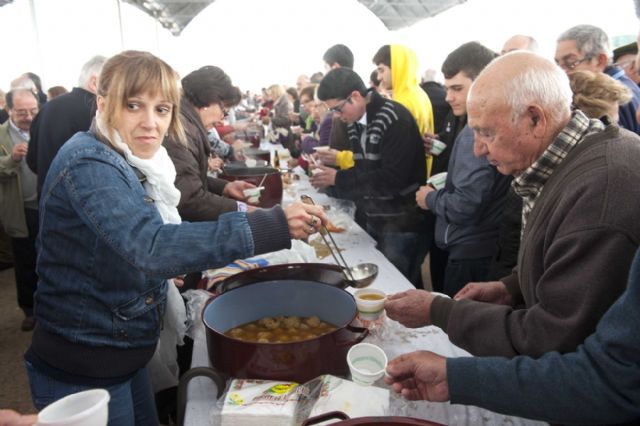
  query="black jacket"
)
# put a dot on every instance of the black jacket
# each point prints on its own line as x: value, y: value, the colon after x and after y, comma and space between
x: 199, y: 194
x: 56, y: 122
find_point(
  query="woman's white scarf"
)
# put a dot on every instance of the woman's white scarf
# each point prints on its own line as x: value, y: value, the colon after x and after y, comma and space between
x: 159, y: 171
x: 160, y: 176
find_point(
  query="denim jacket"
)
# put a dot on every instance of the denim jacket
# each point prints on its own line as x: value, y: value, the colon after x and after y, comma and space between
x: 104, y: 252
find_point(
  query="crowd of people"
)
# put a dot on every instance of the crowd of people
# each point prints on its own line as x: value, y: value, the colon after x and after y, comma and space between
x: 109, y: 203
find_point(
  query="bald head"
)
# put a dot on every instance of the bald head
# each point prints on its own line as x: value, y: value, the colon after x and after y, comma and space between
x: 516, y: 107
x: 521, y: 78
x: 520, y: 42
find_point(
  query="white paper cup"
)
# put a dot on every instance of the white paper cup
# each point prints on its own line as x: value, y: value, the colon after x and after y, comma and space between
x: 87, y: 408
x: 437, y: 147
x: 252, y: 194
x: 367, y: 363
x: 370, y: 303
x: 438, y: 180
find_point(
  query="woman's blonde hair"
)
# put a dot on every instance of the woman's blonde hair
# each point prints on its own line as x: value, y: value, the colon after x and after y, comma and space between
x: 596, y: 93
x: 132, y: 73
x: 276, y: 90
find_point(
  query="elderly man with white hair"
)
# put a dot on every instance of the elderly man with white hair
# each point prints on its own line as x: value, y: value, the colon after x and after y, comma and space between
x: 578, y: 180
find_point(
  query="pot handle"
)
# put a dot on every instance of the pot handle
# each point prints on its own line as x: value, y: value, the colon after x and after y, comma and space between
x: 324, y: 417
x: 364, y: 332
x: 218, y: 378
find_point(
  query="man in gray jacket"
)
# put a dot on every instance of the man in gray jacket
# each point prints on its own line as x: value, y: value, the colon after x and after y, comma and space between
x: 469, y: 207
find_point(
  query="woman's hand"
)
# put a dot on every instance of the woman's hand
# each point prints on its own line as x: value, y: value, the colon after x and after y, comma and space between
x: 234, y: 190
x: 304, y: 219
x: 215, y: 164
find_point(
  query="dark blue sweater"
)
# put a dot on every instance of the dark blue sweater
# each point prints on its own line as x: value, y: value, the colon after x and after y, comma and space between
x: 599, y: 383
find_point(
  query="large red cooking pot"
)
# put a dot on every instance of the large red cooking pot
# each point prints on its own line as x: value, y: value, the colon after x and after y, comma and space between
x: 272, y: 193
x: 367, y: 421
x: 282, y: 290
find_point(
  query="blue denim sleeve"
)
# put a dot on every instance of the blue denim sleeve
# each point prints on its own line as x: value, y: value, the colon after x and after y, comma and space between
x: 597, y: 384
x: 112, y: 203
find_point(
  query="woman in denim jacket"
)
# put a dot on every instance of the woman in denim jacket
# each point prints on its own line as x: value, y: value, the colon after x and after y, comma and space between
x: 111, y: 237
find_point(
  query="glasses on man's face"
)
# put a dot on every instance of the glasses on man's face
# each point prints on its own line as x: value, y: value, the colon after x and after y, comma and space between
x: 338, y: 108
x: 624, y: 64
x: 25, y: 112
x: 569, y: 64
x: 224, y: 109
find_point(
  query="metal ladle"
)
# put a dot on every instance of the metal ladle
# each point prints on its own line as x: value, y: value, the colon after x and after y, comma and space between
x: 359, y: 276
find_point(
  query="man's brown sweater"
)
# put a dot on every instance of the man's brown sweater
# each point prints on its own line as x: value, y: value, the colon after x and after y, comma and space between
x: 575, y: 255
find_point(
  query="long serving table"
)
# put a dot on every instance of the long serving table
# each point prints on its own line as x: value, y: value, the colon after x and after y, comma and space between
x: 202, y: 408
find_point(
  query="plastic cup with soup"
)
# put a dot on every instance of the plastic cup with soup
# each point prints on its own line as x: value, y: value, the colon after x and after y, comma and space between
x: 438, y: 180
x: 370, y: 303
x: 367, y: 363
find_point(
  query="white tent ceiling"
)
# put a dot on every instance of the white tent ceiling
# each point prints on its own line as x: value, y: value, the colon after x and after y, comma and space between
x: 175, y: 15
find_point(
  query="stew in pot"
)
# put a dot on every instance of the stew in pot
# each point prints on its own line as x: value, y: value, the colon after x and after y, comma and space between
x: 281, y: 329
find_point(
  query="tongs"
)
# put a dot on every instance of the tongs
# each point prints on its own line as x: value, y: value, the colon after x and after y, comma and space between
x: 333, y: 247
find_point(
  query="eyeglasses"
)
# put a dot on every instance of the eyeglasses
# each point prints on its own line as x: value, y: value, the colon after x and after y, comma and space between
x: 26, y: 112
x: 224, y: 109
x: 338, y: 108
x: 624, y: 64
x: 569, y: 65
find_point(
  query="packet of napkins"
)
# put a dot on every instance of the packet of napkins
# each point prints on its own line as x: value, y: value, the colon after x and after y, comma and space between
x: 355, y: 400
x: 260, y: 403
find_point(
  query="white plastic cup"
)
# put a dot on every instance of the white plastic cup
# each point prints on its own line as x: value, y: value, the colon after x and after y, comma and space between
x: 438, y: 180
x: 437, y: 147
x: 367, y: 363
x: 252, y: 194
x: 370, y: 303
x: 87, y: 408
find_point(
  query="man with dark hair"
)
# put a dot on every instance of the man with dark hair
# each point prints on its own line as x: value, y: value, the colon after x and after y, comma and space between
x: 389, y: 166
x: 19, y: 196
x: 62, y: 118
x: 338, y: 56
x: 586, y: 47
x: 469, y: 208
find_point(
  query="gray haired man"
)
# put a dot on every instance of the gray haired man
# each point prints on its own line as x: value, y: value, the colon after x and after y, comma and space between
x: 586, y: 47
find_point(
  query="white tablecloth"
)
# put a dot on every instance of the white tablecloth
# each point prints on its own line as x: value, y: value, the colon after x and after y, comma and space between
x: 395, y: 339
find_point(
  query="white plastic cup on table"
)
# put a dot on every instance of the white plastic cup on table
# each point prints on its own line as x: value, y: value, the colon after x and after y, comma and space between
x: 87, y: 408
x: 438, y: 180
x: 367, y: 363
x: 253, y: 194
x: 437, y: 147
